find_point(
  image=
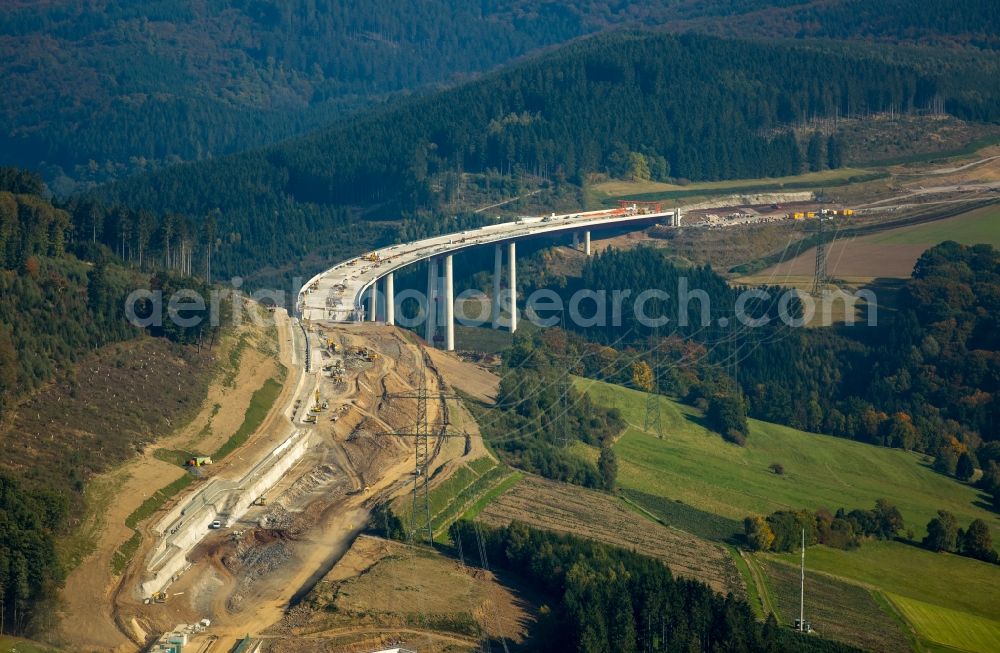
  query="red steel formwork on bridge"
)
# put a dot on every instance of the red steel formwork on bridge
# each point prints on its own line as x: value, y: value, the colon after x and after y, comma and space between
x: 640, y: 207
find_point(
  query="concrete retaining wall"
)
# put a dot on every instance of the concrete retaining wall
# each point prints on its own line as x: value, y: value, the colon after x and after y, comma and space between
x: 187, y: 523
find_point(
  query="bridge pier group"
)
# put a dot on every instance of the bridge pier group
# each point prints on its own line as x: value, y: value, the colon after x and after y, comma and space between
x: 441, y: 293
x: 323, y: 297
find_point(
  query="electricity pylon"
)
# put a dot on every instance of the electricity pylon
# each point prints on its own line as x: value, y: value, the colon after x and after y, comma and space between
x: 820, y: 276
x: 420, y: 516
x: 653, y: 420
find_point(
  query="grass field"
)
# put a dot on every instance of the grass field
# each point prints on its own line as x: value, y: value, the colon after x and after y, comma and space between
x: 948, y: 599
x: 891, y: 253
x: 978, y: 226
x: 941, y: 579
x: 8, y: 643
x: 260, y: 406
x: 463, y: 494
x: 695, y: 466
x: 836, y: 609
x: 950, y: 627
x: 681, y: 515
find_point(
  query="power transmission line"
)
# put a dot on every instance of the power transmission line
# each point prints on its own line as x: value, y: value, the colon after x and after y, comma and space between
x: 820, y: 275
x: 420, y: 515
x: 653, y: 418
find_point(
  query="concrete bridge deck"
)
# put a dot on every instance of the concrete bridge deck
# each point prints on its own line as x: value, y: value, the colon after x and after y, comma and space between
x: 338, y: 294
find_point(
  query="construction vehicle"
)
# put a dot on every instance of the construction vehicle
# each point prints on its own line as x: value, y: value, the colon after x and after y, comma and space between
x: 260, y: 501
x: 798, y: 215
x: 847, y: 212
x: 331, y: 345
x: 159, y: 597
x: 320, y: 405
x: 367, y: 354
x: 810, y: 214
x: 309, y: 419
x: 373, y: 257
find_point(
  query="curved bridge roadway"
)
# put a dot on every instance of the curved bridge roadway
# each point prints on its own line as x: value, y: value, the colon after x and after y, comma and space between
x: 339, y: 293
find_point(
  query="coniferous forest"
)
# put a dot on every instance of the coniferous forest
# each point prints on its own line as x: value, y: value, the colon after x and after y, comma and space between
x: 610, y: 600
x: 101, y: 90
x: 702, y: 108
x: 62, y: 295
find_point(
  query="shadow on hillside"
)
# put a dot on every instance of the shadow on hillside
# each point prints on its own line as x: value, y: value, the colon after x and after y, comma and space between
x: 700, y: 420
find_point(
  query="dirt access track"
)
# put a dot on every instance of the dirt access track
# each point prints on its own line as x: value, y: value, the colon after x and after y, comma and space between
x: 87, y: 618
x: 243, y: 577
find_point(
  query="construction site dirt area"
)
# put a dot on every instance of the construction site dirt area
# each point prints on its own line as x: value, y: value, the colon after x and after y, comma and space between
x: 384, y: 594
x: 469, y: 378
x: 564, y: 508
x: 88, y: 616
x: 278, y: 515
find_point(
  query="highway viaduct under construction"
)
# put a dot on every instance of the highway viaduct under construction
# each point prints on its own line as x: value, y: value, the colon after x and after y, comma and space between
x: 349, y: 291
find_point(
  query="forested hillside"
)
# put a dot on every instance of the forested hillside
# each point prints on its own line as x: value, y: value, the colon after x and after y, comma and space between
x: 62, y: 299
x: 538, y: 414
x: 62, y: 294
x: 102, y: 89
x: 691, y: 106
x: 947, y: 23
x: 925, y: 378
x: 604, y: 599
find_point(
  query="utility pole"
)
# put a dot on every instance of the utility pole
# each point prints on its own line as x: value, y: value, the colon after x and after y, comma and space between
x: 802, y: 585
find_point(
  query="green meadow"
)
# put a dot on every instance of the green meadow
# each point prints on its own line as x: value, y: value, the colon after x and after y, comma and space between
x: 951, y: 602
